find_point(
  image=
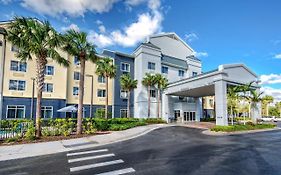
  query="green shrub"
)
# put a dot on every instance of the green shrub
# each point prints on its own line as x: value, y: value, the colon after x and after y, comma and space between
x: 88, y: 126
x: 30, y: 133
x: 154, y: 121
x: 101, y: 124
x: 239, y: 127
x: 12, y: 139
x: 208, y: 119
x: 100, y: 113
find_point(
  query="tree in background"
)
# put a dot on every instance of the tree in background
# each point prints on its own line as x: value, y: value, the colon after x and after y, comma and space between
x: 107, y: 69
x: 128, y: 84
x: 76, y: 44
x: 266, y: 100
x: 161, y: 84
x: 37, y: 41
x: 148, y: 81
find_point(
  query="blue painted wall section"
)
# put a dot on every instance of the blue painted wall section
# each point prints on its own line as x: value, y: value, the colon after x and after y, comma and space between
x: 120, y: 103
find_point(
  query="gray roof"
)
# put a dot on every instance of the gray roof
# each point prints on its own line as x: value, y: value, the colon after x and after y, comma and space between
x: 174, y: 61
x: 193, y: 57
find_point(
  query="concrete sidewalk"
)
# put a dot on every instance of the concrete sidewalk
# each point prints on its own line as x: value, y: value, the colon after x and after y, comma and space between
x: 37, y: 149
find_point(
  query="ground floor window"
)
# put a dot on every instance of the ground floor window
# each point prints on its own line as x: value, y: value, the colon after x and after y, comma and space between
x: 177, y: 114
x: 15, y: 111
x: 123, y: 113
x: 47, y: 111
x: 189, y: 116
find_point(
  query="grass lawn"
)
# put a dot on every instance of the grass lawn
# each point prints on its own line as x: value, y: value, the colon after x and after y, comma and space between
x: 241, y: 127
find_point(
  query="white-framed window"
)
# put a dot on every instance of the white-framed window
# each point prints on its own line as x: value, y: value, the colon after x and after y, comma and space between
x: 101, y: 79
x: 123, y: 113
x: 151, y: 66
x: 190, y: 100
x: 76, y: 60
x: 18, y: 66
x: 14, y: 48
x: 165, y: 69
x: 194, y: 74
x: 75, y: 91
x: 152, y: 93
x: 76, y: 75
x: 123, y: 94
x: 101, y: 93
x: 17, y: 85
x: 47, y: 112
x: 181, y: 73
x: 48, y: 87
x: 15, y: 111
x: 49, y: 70
x: 125, y: 67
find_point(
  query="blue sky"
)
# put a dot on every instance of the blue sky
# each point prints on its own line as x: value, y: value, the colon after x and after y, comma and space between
x: 247, y: 31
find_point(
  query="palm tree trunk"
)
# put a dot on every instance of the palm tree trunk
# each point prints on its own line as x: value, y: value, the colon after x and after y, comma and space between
x: 158, y: 108
x: 81, y: 96
x: 267, y: 109
x: 148, y: 103
x: 128, y: 105
x: 40, y: 77
x: 231, y: 112
x: 106, y: 99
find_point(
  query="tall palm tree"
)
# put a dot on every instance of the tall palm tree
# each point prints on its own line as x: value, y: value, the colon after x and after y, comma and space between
x: 128, y: 84
x: 107, y: 69
x: 76, y: 44
x: 148, y: 81
x: 254, y: 98
x: 232, y: 96
x: 37, y: 41
x: 161, y: 84
x: 265, y: 101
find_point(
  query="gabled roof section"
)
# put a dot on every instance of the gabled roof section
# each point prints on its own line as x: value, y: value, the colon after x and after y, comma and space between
x: 117, y: 53
x: 149, y: 44
x: 172, y: 35
x: 193, y: 58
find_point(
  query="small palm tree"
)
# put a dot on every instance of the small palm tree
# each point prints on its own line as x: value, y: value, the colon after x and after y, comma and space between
x: 128, y: 84
x: 161, y: 84
x: 107, y: 69
x: 148, y: 81
x: 266, y: 100
x: 76, y: 44
x: 232, y: 96
x: 36, y: 41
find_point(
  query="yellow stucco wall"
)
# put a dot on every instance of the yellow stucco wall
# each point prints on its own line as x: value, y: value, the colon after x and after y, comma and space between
x: 209, y: 102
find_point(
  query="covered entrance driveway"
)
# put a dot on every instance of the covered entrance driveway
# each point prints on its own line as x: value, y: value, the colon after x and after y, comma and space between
x: 213, y: 83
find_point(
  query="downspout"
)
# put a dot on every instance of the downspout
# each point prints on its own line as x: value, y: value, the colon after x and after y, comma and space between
x: 2, y: 75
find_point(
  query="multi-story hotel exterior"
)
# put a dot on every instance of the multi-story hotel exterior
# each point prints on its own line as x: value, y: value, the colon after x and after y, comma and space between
x: 163, y: 53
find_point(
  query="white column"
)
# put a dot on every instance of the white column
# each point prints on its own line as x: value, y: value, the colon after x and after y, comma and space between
x: 165, y: 107
x: 199, y: 111
x: 256, y: 110
x: 221, y: 103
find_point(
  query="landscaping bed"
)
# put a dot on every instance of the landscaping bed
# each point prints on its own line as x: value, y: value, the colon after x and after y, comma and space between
x: 241, y: 127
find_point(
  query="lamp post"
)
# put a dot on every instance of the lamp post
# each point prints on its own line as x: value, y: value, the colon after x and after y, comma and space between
x: 92, y: 84
x: 32, y: 99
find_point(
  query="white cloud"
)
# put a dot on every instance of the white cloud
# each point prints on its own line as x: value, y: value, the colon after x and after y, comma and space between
x: 102, y: 29
x: 5, y: 1
x: 277, y: 56
x: 71, y: 26
x: 99, y: 22
x: 134, y: 2
x: 276, y: 93
x: 69, y: 7
x: 270, y: 79
x: 147, y: 24
x: 191, y: 37
x: 201, y: 54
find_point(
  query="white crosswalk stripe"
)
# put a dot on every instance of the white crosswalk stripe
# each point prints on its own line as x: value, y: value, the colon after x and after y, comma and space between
x: 86, y: 152
x: 97, y: 162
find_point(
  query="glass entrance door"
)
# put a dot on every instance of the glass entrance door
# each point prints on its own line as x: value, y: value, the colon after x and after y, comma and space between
x: 189, y: 116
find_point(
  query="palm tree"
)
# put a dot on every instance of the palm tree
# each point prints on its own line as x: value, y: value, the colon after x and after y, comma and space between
x: 107, y: 69
x: 37, y: 41
x: 265, y: 101
x: 254, y: 98
x: 161, y: 83
x: 232, y: 96
x: 128, y: 84
x: 76, y: 44
x: 278, y: 106
x: 148, y: 81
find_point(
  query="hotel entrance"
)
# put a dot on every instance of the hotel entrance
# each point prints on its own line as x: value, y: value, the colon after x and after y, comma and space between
x: 189, y: 116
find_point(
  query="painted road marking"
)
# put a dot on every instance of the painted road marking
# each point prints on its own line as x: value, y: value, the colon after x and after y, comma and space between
x: 84, y: 167
x: 118, y: 172
x: 90, y: 157
x: 86, y: 152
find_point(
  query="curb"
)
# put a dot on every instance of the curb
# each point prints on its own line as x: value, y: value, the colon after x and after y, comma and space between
x: 213, y: 133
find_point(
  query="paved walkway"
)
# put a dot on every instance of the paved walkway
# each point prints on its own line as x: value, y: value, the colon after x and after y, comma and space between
x: 37, y: 149
x: 199, y: 125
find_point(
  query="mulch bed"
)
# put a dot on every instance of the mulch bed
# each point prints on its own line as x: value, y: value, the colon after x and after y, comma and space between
x: 52, y: 138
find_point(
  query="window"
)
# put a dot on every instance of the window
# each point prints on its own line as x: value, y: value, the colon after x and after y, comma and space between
x: 101, y: 93
x: 125, y: 67
x: 151, y: 66
x: 17, y: 85
x: 152, y: 93
x: 76, y: 60
x: 101, y: 79
x: 165, y: 70
x: 177, y: 114
x: 75, y: 91
x: 190, y: 100
x: 123, y: 94
x: 14, y: 111
x: 194, y: 74
x: 211, y: 103
x: 48, y: 87
x: 181, y: 73
x: 47, y: 111
x: 18, y: 66
x: 49, y: 70
x: 14, y: 48
x: 76, y: 76
x: 123, y: 113
x: 1, y: 43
